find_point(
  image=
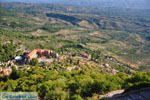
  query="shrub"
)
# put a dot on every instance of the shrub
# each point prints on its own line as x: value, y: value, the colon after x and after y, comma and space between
x: 137, y: 85
x: 34, y: 62
x: 76, y: 97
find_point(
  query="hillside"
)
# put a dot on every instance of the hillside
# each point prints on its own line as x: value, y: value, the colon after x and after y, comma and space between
x: 125, y: 38
x: 73, y: 52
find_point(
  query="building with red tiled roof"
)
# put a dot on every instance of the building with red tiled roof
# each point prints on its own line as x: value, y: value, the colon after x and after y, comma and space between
x: 32, y: 54
x: 46, y: 53
x: 39, y: 53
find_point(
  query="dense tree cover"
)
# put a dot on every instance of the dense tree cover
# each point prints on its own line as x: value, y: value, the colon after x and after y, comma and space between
x: 7, y: 52
x: 75, y: 85
x: 71, y: 19
x: 138, y: 81
x: 21, y: 24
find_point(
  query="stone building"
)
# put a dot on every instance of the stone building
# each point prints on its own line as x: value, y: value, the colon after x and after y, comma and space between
x: 39, y: 53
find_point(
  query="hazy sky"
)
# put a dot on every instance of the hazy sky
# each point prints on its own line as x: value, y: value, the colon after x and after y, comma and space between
x: 103, y: 3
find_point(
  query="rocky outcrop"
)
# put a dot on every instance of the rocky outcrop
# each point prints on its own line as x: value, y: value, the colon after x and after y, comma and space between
x: 141, y: 94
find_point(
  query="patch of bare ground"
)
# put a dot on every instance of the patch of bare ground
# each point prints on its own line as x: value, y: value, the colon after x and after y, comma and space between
x: 138, y: 51
x: 63, y: 22
x: 64, y: 31
x: 86, y: 24
x: 39, y: 32
x: 53, y: 20
x: 139, y: 39
x: 94, y: 33
x: 4, y: 18
x: 100, y: 34
x: 39, y: 20
x: 94, y: 46
x: 80, y: 29
x: 118, y: 43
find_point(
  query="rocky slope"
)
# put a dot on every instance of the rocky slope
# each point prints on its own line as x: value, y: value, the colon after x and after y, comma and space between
x: 141, y: 94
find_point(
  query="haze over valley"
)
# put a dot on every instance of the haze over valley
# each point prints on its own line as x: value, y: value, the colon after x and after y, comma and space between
x: 135, y: 4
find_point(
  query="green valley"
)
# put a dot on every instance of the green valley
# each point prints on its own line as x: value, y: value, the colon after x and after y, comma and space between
x: 82, y: 51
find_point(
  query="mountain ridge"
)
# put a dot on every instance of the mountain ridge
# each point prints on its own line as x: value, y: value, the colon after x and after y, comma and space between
x: 134, y: 4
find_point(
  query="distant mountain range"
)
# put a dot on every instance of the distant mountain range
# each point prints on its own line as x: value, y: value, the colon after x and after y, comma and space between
x: 134, y: 4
